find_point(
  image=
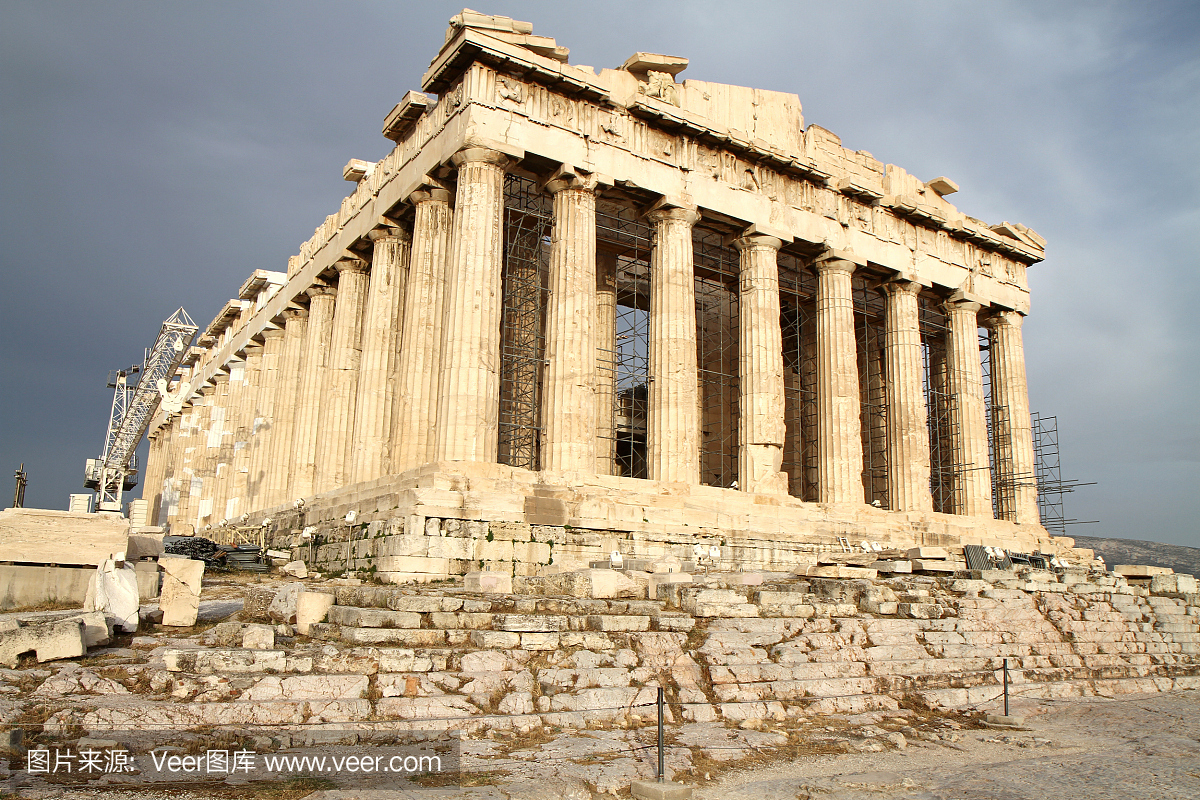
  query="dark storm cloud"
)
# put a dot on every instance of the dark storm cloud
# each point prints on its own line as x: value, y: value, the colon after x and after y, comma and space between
x: 155, y: 153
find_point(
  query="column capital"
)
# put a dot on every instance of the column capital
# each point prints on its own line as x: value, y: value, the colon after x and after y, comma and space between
x: 430, y: 194
x: 668, y: 209
x: 351, y: 265
x: 567, y: 177
x: 753, y: 241
x: 485, y: 155
x: 430, y: 189
x: 1001, y: 318
x: 959, y: 304
x: 220, y: 378
x: 379, y: 234
x: 274, y: 333
x: 900, y: 286
x: 252, y: 350
x: 320, y: 291
x: 834, y: 265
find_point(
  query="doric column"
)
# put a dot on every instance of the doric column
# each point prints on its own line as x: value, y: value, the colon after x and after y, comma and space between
x: 673, y: 424
x: 312, y: 385
x: 336, y: 425
x: 278, y: 469
x: 1011, y: 426
x: 569, y: 394
x: 971, y: 478
x: 262, y: 430
x: 469, y: 392
x: 907, y: 417
x: 418, y: 371
x: 606, y: 362
x: 219, y: 447
x: 839, y: 432
x: 380, y: 336
x: 246, y: 408
x: 190, y: 446
x: 760, y: 368
x: 152, y: 474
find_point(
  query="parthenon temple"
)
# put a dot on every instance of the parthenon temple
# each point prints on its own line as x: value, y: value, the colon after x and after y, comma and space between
x: 577, y: 310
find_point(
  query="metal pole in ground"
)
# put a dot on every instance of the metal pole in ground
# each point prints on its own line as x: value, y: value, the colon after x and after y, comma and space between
x: 1005, y: 687
x: 661, y: 770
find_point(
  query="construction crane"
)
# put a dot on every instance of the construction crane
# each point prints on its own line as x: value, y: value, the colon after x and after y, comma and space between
x: 115, y: 471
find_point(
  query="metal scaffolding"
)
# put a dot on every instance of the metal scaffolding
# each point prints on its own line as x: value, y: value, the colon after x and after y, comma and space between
x: 623, y: 233
x: 869, y: 336
x: 1050, y: 484
x: 798, y: 322
x: 940, y: 413
x: 528, y: 220
x: 716, y: 284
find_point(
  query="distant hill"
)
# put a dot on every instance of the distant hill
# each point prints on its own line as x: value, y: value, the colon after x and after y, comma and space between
x: 1154, y: 554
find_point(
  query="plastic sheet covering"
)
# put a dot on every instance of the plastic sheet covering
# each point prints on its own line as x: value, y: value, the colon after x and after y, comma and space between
x: 113, y: 590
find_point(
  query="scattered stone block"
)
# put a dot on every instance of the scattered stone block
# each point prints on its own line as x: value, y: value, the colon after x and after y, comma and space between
x: 892, y: 567
x: 233, y: 660
x: 147, y: 574
x: 925, y: 565
x: 180, y: 596
x: 665, y: 579
x: 614, y: 623
x: 1140, y: 570
x: 311, y: 607
x: 54, y: 640
x: 143, y: 545
x: 490, y: 582
x: 495, y: 640
x: 927, y: 552
x: 258, y: 637
x: 530, y: 623
x: 352, y: 617
x: 920, y: 610
x: 283, y: 605
x: 654, y: 790
x: 1002, y: 721
x: 296, y: 569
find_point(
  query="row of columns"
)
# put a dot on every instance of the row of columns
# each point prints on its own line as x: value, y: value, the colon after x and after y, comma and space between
x: 398, y: 365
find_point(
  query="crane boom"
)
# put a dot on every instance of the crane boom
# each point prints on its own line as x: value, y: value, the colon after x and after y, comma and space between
x: 132, y: 409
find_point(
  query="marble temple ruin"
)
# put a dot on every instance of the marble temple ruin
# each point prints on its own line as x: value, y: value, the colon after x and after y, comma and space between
x: 576, y: 311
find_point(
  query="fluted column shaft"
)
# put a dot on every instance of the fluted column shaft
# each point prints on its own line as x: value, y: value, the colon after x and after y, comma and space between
x: 469, y: 393
x: 606, y: 362
x: 418, y: 370
x: 336, y: 420
x: 380, y: 335
x: 262, y: 429
x: 907, y: 416
x: 673, y: 424
x: 569, y: 389
x: 152, y: 475
x: 312, y: 385
x: 760, y: 368
x: 839, y: 432
x: 219, y: 447
x: 1011, y: 426
x: 238, y: 501
x: 278, y: 469
x: 190, y: 480
x: 971, y: 476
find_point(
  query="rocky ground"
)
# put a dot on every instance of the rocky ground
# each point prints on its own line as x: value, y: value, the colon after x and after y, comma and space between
x: 1143, y: 746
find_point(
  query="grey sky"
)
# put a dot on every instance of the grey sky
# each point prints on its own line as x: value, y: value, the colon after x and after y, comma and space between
x: 155, y: 153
